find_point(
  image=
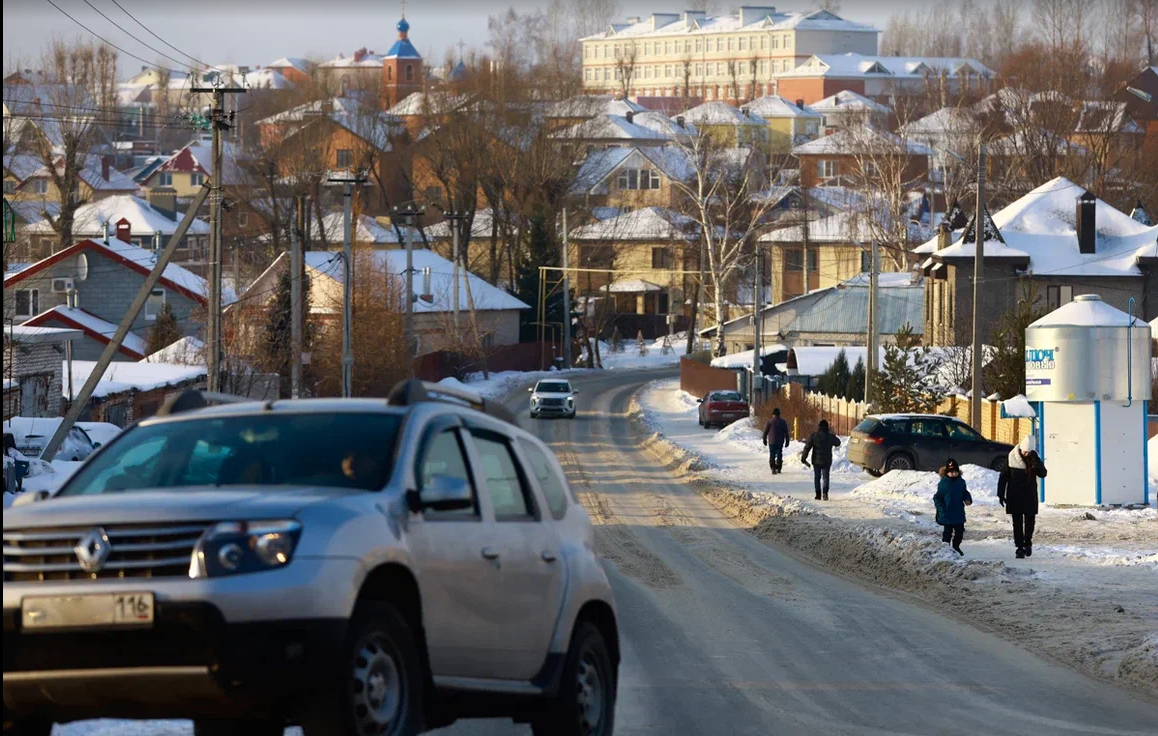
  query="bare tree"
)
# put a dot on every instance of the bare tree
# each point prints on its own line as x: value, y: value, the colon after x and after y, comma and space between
x: 626, y: 67
x: 735, y: 69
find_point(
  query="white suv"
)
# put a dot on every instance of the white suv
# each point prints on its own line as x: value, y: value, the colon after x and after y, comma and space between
x: 553, y: 398
x: 354, y: 566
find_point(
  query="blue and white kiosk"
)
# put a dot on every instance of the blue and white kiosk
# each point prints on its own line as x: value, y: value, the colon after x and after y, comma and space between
x: 1087, y: 373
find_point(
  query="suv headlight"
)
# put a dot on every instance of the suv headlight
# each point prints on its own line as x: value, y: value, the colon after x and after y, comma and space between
x: 534, y: 399
x: 234, y: 547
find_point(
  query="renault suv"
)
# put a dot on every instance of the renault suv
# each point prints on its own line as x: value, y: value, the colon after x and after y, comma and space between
x: 354, y: 566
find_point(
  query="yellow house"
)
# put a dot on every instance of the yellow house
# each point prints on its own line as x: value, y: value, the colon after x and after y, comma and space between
x: 98, y: 179
x: 189, y: 169
x: 630, y: 177
x: 789, y: 123
x: 727, y: 125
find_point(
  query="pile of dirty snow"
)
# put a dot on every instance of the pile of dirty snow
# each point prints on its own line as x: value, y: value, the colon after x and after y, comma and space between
x: 918, y: 485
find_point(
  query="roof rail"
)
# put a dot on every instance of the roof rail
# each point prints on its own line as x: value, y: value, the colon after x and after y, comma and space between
x: 191, y: 399
x: 413, y: 391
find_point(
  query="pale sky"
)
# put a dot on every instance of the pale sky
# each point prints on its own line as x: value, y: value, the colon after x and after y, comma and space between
x: 256, y: 32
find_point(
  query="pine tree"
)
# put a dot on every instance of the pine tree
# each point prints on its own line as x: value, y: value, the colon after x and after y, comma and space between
x: 1140, y: 215
x: 855, y: 388
x: 541, y: 251
x: 275, y: 346
x: 834, y: 381
x: 989, y: 229
x: 908, y: 381
x: 164, y: 332
x: 956, y: 216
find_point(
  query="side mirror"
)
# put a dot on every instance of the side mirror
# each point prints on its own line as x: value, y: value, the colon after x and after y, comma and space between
x: 442, y: 493
x: 531, y: 390
x: 95, y: 445
x: 699, y: 401
x: 574, y: 390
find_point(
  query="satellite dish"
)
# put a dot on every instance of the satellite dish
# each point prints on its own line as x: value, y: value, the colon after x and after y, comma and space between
x: 81, y: 267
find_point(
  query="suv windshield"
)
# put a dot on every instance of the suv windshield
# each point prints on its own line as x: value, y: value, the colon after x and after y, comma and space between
x: 271, y: 449
x: 554, y: 387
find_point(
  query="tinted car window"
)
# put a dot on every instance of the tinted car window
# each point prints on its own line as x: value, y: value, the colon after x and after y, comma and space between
x: 932, y: 428
x: 868, y: 425
x: 270, y: 449
x: 443, y: 455
x: 549, y: 480
x: 897, y: 426
x: 554, y: 387
x: 501, y: 473
x: 959, y: 431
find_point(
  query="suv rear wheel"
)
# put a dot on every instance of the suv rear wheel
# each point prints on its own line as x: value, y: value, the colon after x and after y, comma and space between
x: 999, y: 464
x: 379, y: 688
x: 585, y: 705
x: 900, y: 461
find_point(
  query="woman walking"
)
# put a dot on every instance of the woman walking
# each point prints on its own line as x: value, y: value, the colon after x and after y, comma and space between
x: 950, y: 500
x: 1017, y: 492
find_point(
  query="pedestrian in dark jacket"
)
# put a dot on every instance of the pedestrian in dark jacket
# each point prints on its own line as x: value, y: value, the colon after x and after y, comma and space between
x: 1017, y: 492
x: 950, y: 500
x: 776, y: 439
x: 820, y: 443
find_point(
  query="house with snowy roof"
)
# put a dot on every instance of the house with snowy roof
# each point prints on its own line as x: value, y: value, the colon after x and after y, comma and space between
x: 630, y: 177
x: 1055, y: 243
x: 139, y: 221
x: 575, y: 110
x: 789, y: 122
x: 728, y: 125
x: 97, y: 179
x: 881, y: 76
x: 1140, y: 94
x: 846, y: 109
x: 497, y: 311
x: 89, y: 287
x: 863, y: 152
x: 715, y: 46
x: 296, y: 70
x: 606, y: 131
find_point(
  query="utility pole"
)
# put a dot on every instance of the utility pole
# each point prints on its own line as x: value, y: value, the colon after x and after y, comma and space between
x: 347, y: 290
x: 410, y: 215
x: 872, y: 355
x: 566, y: 294
x: 978, y: 271
x: 296, y: 302
x: 218, y: 122
x: 757, y: 328
x: 454, y: 218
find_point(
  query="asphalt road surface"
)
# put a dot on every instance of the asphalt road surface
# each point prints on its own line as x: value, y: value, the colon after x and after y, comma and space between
x: 722, y: 634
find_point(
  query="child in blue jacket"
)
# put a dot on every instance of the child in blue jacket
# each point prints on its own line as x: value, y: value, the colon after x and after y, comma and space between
x: 951, y: 499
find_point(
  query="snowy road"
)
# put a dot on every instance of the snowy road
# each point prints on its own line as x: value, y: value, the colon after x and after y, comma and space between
x: 723, y: 634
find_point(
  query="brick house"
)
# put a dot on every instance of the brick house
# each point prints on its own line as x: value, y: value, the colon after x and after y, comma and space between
x: 876, y: 77
x: 104, y: 278
x: 33, y: 369
x: 296, y: 70
x: 1060, y: 240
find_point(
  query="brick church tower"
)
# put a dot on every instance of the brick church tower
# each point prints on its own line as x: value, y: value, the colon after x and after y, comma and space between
x: 402, y: 72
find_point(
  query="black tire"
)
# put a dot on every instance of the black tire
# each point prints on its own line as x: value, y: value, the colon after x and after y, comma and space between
x: 999, y: 464
x: 900, y: 461
x: 26, y: 726
x: 699, y: 420
x: 585, y: 705
x: 238, y: 727
x: 873, y: 472
x: 380, y: 651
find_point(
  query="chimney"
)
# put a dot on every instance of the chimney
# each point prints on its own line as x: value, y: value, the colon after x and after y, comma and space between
x: 633, y: 19
x: 105, y: 167
x: 800, y: 104
x: 359, y: 54
x: 680, y: 120
x: 1086, y: 223
x: 630, y: 115
x: 124, y: 231
x: 164, y: 200
x: 944, y: 236
x: 144, y: 68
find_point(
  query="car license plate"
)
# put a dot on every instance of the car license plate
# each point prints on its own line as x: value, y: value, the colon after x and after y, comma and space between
x: 82, y: 611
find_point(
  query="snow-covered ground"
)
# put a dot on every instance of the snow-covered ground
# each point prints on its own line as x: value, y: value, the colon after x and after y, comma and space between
x: 1087, y: 563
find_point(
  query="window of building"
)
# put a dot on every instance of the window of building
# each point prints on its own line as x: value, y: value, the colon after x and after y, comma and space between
x: 1058, y: 296
x: 243, y: 219
x: 606, y: 75
x: 719, y: 68
x: 785, y: 65
x: 763, y: 43
x: 345, y: 158
x: 649, y: 179
x: 731, y: 44
x: 27, y: 302
x: 793, y: 259
x: 743, y: 44
x: 660, y: 258
x: 719, y: 44
x: 196, y: 180
x: 629, y: 179
x: 667, y: 47
x: 787, y: 41
x: 618, y: 74
x: 775, y: 42
x: 828, y: 169
x: 595, y: 256
x: 699, y: 45
x: 586, y: 52
x: 687, y: 47
x: 870, y: 168
x: 587, y: 75
x: 699, y: 70
x: 389, y: 73
x: 866, y: 261
x: 763, y: 66
x: 814, y: 260
x: 666, y: 70
x: 165, y: 179
x: 409, y: 72
x: 154, y: 304
x: 9, y: 187
x: 40, y: 186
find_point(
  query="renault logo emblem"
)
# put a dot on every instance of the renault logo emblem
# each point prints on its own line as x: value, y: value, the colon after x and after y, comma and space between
x: 92, y: 550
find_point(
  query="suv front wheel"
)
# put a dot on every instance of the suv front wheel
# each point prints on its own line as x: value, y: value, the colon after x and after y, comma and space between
x: 585, y: 705
x: 379, y: 688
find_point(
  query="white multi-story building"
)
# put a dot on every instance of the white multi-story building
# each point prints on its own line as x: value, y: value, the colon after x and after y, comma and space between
x: 726, y: 57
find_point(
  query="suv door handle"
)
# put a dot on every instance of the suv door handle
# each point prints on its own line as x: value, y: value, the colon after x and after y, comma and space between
x: 490, y: 553
x: 548, y: 556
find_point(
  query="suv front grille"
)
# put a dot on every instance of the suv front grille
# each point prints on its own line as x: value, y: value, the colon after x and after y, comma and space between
x: 135, y: 551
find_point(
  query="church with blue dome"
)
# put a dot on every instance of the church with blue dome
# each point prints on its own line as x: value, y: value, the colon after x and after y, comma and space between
x: 402, y: 72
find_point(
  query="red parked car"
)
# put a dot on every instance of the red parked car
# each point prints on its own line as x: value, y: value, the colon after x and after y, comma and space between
x: 721, y: 408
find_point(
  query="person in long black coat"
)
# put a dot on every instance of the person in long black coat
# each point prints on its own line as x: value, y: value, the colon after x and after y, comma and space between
x: 1017, y: 492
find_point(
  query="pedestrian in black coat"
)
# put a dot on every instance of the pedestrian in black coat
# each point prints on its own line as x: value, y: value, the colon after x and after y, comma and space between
x: 776, y: 439
x: 1017, y: 492
x: 820, y: 443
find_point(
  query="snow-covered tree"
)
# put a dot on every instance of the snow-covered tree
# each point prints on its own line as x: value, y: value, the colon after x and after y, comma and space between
x: 908, y: 381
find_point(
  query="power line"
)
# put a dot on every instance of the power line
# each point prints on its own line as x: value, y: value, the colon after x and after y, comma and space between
x: 130, y: 35
x: 110, y: 43
x: 179, y: 51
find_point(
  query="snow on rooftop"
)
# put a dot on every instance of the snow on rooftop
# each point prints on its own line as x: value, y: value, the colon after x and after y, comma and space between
x: 123, y: 376
x: 186, y: 351
x: 589, y: 106
x: 1088, y: 310
x: 861, y: 139
x: 1041, y: 226
x: 648, y: 223
x: 630, y: 286
x: 847, y: 101
x: 89, y: 219
x: 743, y: 359
x: 487, y: 297
x: 364, y: 228
x: 291, y: 62
x: 749, y: 18
x: 133, y: 341
x: 31, y: 333
x: 852, y: 64
x: 721, y: 113
x: 610, y: 127
x: 775, y: 106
